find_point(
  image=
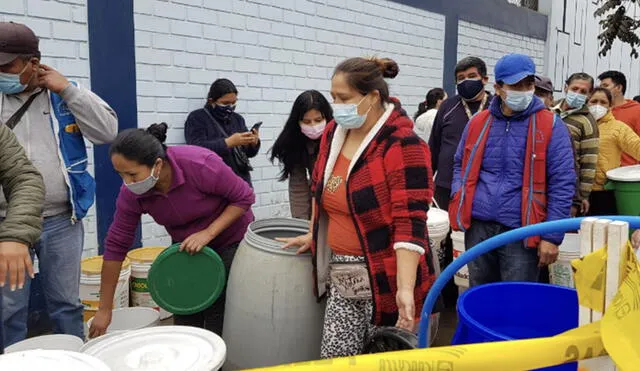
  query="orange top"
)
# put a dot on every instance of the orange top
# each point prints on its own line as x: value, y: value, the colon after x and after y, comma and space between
x: 629, y: 113
x: 343, y: 238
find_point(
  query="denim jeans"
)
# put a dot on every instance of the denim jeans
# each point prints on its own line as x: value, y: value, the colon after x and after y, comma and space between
x: 512, y: 262
x: 59, y: 252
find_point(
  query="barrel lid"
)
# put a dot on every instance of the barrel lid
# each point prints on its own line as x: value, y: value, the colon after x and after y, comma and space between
x: 625, y: 174
x: 145, y: 254
x: 175, y: 348
x: 47, y: 342
x: 93, y: 265
x: 184, y: 284
x: 51, y: 360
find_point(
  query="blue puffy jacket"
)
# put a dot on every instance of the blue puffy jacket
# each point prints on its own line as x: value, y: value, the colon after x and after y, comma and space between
x: 498, y: 194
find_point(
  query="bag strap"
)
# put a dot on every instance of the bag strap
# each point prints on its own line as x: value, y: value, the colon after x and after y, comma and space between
x: 14, y: 120
x: 224, y: 132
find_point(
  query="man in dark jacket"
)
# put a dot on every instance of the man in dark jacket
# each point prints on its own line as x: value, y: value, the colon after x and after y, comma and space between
x: 450, y: 121
x: 514, y: 166
x: 20, y: 230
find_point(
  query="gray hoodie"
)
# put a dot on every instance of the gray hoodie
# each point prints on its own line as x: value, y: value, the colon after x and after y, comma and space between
x: 96, y: 120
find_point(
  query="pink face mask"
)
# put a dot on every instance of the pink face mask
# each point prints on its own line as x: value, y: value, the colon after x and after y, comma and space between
x: 313, y: 132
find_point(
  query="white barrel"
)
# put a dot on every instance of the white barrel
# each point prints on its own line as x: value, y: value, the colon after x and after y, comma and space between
x: 461, y: 278
x: 561, y: 272
x: 91, y: 269
x: 134, y: 318
x: 271, y: 316
x: 51, y: 360
x: 141, y: 261
x: 47, y: 342
x: 174, y: 348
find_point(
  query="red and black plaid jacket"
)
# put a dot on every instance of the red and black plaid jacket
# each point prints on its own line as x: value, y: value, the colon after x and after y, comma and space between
x: 388, y: 191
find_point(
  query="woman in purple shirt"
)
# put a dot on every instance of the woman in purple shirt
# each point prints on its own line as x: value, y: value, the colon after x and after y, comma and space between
x: 191, y: 192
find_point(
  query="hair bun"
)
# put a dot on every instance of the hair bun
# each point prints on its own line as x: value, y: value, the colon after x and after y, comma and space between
x: 159, y: 131
x: 388, y: 67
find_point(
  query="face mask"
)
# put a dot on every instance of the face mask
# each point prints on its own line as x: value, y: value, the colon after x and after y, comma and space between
x: 346, y: 115
x: 313, y: 132
x: 575, y: 100
x: 10, y: 83
x: 518, y: 101
x: 598, y: 111
x: 469, y: 89
x: 224, y: 110
x: 143, y: 186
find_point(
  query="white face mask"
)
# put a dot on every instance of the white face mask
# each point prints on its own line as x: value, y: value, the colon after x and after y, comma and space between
x: 598, y: 111
x: 145, y: 185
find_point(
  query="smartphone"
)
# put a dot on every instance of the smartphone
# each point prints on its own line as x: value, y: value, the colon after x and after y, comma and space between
x: 256, y: 126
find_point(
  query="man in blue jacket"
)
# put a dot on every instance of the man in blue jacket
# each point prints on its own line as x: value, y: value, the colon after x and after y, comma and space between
x: 514, y: 166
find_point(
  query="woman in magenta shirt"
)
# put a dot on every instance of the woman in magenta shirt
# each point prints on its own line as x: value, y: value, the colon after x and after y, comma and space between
x: 191, y: 192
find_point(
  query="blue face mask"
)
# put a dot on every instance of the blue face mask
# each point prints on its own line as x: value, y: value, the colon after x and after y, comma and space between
x: 575, y: 100
x: 518, y: 101
x: 346, y: 115
x: 10, y: 83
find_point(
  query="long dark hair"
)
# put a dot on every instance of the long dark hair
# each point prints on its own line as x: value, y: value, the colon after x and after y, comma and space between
x: 143, y: 146
x: 291, y: 146
x: 433, y: 96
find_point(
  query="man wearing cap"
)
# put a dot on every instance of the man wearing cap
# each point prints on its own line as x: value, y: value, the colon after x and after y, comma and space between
x: 544, y: 90
x: 573, y: 110
x: 51, y: 117
x: 514, y: 167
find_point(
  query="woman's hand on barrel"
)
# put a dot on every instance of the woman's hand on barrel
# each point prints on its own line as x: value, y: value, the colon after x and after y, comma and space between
x: 100, y: 323
x: 406, y: 309
x: 196, y: 242
x: 303, y: 242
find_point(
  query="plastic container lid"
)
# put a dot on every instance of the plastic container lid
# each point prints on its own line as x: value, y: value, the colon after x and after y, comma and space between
x: 47, y: 342
x: 93, y: 265
x: 625, y: 174
x: 145, y: 254
x: 51, y: 360
x: 185, y: 284
x: 174, y: 348
x: 131, y: 318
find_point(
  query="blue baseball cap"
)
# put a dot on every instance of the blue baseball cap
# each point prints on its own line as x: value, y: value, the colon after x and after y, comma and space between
x: 512, y: 68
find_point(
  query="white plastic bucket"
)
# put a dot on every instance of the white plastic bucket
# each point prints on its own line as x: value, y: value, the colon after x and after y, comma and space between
x: 51, y: 360
x: 141, y: 261
x: 461, y: 278
x: 175, y: 348
x: 91, y: 269
x: 134, y: 318
x: 561, y: 272
x: 48, y: 342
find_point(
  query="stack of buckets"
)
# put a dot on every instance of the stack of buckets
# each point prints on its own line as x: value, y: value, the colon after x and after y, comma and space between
x: 461, y: 278
x: 132, y: 286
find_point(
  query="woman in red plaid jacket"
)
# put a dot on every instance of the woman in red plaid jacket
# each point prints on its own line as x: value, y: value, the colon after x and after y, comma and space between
x: 372, y: 188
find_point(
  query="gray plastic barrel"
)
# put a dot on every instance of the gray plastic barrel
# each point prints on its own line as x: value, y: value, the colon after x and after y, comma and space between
x: 271, y: 314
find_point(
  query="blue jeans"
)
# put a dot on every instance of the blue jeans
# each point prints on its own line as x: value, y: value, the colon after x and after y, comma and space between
x: 512, y: 262
x: 59, y: 252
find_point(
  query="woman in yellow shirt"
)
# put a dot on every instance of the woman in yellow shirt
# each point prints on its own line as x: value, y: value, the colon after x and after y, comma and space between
x: 615, y: 138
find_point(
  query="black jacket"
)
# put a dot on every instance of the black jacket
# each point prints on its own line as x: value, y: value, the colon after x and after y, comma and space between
x: 199, y: 130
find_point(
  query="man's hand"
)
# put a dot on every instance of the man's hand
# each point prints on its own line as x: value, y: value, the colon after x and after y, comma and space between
x: 547, y: 253
x: 52, y: 79
x: 635, y: 239
x: 14, y: 260
x: 585, y: 207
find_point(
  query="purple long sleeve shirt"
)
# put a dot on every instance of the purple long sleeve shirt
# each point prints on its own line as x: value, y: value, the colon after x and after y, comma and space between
x: 202, y: 187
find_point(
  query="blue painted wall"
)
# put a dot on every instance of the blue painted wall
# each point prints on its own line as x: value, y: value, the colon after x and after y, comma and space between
x: 113, y: 77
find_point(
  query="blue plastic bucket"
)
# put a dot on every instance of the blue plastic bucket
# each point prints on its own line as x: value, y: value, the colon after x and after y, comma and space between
x: 516, y: 310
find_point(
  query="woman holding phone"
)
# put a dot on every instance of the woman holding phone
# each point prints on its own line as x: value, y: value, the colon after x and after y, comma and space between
x: 219, y: 128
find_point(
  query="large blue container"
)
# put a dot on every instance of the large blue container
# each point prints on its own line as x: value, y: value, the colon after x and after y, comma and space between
x: 516, y: 310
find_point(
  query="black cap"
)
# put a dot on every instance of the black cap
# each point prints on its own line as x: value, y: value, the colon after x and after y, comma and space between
x: 16, y: 39
x: 544, y: 83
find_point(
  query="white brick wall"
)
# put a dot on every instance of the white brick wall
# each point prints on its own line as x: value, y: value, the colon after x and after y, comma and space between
x: 62, y: 29
x: 491, y: 44
x: 272, y: 50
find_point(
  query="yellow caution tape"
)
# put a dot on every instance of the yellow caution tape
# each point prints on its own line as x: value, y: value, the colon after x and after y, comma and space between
x: 574, y: 345
x: 620, y: 335
x: 621, y: 321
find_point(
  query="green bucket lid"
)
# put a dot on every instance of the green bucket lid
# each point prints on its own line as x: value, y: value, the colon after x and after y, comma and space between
x: 185, y: 284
